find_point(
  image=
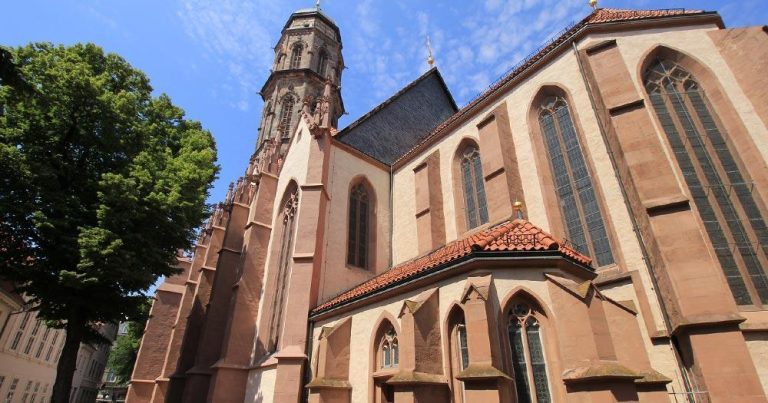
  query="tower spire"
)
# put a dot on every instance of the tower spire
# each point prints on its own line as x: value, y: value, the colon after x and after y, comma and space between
x: 430, y: 59
x: 317, y: 5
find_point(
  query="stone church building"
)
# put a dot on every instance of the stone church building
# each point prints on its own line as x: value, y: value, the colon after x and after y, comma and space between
x: 592, y: 228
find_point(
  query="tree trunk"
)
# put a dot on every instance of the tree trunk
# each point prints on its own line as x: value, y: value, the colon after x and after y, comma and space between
x: 65, y: 368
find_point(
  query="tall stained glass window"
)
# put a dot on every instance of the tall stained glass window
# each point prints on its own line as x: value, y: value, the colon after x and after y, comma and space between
x: 723, y: 196
x: 584, y: 223
x: 286, y: 245
x: 359, y: 227
x: 473, y: 189
x: 528, y: 355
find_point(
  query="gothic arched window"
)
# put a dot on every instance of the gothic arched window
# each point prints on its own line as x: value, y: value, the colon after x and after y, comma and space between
x: 360, y: 226
x: 287, y: 229
x: 473, y: 190
x: 296, y: 56
x: 722, y: 195
x: 527, y: 354
x: 322, y: 63
x: 286, y: 116
x: 389, y: 349
x: 584, y: 223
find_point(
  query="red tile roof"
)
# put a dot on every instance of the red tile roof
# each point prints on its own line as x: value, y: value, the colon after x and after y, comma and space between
x: 517, y: 235
x: 602, y: 15
x: 599, y: 16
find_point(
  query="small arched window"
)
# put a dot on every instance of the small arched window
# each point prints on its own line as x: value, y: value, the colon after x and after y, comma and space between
x: 360, y: 227
x: 527, y: 354
x: 579, y: 207
x: 472, y: 187
x: 721, y: 191
x: 390, y: 351
x: 296, y: 56
x: 322, y: 63
x: 286, y: 116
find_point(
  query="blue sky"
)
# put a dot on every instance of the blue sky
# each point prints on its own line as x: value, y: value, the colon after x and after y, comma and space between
x: 212, y: 57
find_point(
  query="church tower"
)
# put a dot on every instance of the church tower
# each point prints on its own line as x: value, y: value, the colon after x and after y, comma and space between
x: 307, y: 56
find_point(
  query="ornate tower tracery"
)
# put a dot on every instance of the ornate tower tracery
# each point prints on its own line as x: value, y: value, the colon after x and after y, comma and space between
x: 307, y: 57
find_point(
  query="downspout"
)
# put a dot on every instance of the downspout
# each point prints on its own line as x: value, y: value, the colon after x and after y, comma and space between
x: 633, y: 220
x: 391, y: 216
x: 308, y: 368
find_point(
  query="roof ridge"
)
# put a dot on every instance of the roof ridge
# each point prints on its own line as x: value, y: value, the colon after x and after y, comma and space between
x: 566, y: 34
x: 498, y: 238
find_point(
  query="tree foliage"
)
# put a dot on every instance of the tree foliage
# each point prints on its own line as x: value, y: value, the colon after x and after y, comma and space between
x: 123, y: 355
x: 100, y: 184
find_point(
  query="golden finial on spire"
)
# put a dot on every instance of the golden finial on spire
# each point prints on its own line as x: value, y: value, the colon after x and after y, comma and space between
x: 593, y: 4
x: 430, y: 59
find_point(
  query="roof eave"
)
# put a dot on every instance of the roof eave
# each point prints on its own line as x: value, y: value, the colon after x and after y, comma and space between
x: 459, y: 265
x: 494, y: 94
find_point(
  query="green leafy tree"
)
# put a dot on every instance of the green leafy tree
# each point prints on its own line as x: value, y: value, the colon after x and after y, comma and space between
x: 100, y: 184
x: 123, y: 355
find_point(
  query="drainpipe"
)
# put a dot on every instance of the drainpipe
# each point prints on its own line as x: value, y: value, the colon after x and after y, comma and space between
x: 308, y: 367
x: 391, y: 216
x: 635, y: 226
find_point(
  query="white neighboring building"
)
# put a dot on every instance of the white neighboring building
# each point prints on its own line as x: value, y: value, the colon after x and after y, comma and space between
x: 29, y: 352
x: 91, y: 361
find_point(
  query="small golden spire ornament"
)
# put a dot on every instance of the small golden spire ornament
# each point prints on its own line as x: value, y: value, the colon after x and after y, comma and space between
x: 430, y: 59
x: 593, y: 4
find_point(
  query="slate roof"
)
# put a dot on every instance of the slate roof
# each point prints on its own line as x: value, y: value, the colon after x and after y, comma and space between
x: 509, y: 236
x: 402, y: 121
x: 597, y: 17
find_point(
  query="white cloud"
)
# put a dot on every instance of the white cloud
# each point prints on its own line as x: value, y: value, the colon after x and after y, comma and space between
x: 238, y: 34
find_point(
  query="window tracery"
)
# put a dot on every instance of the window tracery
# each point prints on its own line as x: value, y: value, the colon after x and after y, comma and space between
x: 722, y: 194
x: 528, y: 363
x: 475, y: 204
x: 287, y: 228
x: 390, y: 350
x: 578, y: 202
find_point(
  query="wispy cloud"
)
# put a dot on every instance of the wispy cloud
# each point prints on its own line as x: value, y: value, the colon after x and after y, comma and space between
x: 384, y: 43
x: 473, y: 45
x: 238, y: 34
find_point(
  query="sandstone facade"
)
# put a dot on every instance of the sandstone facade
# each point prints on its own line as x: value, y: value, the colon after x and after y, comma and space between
x: 590, y: 229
